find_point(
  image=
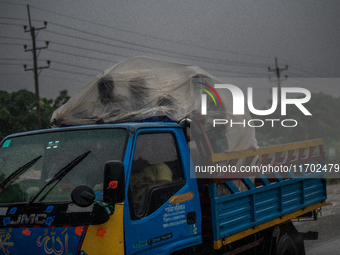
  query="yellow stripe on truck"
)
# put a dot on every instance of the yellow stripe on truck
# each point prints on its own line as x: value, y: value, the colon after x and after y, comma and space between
x: 107, y: 238
x: 224, y: 156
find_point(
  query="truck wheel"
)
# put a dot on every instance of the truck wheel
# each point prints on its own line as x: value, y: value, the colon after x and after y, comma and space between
x: 286, y: 246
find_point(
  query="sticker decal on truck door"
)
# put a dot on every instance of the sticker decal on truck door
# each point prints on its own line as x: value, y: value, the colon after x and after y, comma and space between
x: 181, y: 198
x: 174, y: 216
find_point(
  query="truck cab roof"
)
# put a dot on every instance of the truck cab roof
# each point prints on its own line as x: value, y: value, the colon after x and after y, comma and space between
x: 130, y: 126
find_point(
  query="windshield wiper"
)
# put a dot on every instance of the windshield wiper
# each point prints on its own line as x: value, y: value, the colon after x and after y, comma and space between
x: 19, y: 171
x: 59, y: 175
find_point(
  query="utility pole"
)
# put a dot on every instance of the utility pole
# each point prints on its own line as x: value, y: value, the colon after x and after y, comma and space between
x: 278, y: 71
x: 35, y: 68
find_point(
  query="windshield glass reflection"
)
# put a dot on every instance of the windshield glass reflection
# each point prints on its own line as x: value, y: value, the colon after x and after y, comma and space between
x: 57, y: 149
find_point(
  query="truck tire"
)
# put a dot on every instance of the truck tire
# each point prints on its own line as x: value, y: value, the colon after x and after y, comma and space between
x: 286, y: 246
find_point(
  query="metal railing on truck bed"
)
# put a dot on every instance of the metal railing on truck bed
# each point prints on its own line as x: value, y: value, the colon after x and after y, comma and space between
x: 274, y: 198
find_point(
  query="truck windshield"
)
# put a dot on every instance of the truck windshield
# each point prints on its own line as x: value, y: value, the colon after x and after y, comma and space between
x: 55, y: 150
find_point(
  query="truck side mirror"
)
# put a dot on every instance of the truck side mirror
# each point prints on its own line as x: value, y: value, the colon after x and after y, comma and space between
x: 82, y: 196
x: 114, y: 182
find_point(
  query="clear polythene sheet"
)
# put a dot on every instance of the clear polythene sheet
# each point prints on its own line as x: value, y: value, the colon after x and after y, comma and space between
x: 133, y: 90
x: 143, y: 89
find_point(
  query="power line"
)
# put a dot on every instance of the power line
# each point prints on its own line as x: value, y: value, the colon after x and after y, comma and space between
x: 89, y: 40
x: 12, y: 3
x: 12, y: 74
x: 213, y: 60
x: 311, y: 71
x: 81, y: 56
x: 153, y: 49
x: 72, y: 72
x: 10, y: 64
x: 61, y: 78
x: 11, y: 44
x: 13, y: 38
x: 10, y: 24
x: 305, y: 71
x: 216, y: 61
x: 10, y: 18
x: 148, y: 35
x: 68, y: 64
x: 90, y: 49
x: 109, y: 61
x: 12, y: 59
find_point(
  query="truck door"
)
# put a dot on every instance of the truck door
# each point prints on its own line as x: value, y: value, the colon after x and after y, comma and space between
x: 163, y: 213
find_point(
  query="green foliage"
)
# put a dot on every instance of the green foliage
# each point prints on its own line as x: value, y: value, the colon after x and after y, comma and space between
x: 18, y: 111
x: 61, y: 99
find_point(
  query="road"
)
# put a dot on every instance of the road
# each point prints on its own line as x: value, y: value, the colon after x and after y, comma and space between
x: 328, y: 226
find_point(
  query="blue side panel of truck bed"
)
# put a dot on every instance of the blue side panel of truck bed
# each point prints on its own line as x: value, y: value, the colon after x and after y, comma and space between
x: 243, y: 210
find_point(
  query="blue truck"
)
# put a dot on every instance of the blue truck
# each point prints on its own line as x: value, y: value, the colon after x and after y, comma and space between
x: 74, y: 190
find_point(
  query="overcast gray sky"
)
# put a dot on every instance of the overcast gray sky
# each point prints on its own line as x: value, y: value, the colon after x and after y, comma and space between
x: 226, y: 38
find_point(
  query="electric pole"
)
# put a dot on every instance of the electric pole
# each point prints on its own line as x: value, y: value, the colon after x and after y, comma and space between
x: 35, y: 68
x: 278, y: 71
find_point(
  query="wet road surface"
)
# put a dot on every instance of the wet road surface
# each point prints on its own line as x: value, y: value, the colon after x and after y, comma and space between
x: 328, y: 226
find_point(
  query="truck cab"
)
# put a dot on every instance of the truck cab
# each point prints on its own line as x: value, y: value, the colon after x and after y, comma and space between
x: 81, y: 190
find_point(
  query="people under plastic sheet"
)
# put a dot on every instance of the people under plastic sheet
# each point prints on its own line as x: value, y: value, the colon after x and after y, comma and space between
x: 138, y: 92
x: 145, y: 89
x: 106, y: 99
x: 105, y: 90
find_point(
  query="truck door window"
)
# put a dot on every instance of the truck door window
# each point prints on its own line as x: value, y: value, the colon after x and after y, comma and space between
x: 156, y: 173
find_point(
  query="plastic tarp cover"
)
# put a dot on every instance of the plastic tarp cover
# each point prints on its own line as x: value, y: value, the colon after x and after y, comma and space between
x: 142, y: 88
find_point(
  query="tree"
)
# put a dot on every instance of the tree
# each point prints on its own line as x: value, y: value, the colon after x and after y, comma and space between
x: 18, y: 111
x: 61, y: 99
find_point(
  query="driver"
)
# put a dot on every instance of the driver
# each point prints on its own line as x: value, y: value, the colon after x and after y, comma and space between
x: 145, y: 175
